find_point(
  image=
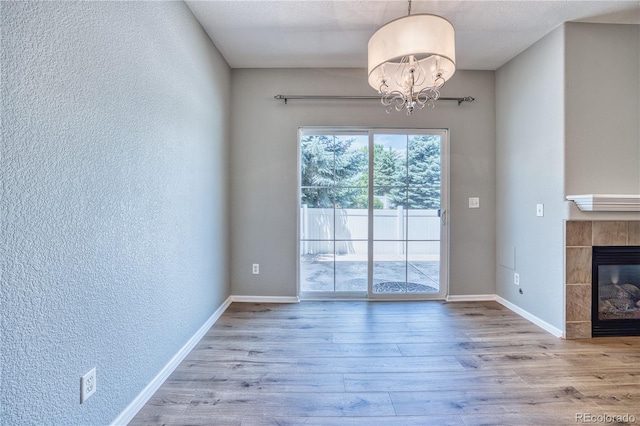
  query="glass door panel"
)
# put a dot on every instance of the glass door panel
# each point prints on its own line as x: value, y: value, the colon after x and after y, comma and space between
x: 333, y: 212
x: 407, y: 178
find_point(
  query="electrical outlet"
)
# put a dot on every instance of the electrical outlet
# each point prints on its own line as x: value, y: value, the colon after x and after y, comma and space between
x: 256, y: 269
x: 87, y: 385
x: 539, y: 210
x: 474, y: 202
x: 516, y: 278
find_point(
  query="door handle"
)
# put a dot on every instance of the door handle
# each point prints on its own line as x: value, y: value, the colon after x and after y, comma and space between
x: 443, y: 217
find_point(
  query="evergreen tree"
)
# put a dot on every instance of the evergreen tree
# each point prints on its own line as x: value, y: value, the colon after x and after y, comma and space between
x: 424, y: 172
x: 387, y: 167
x: 333, y: 174
x: 422, y: 177
x: 386, y: 163
x: 330, y: 167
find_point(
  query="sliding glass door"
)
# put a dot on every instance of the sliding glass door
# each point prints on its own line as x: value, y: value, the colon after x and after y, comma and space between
x: 372, y: 213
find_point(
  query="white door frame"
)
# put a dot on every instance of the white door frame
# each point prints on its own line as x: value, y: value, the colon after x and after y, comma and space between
x: 444, y: 223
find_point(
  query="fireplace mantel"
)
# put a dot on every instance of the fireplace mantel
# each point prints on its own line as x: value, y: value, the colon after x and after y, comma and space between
x: 606, y: 202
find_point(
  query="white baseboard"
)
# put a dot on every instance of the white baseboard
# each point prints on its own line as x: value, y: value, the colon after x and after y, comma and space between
x: 516, y: 309
x: 530, y: 317
x: 472, y: 298
x: 132, y: 409
x: 265, y: 299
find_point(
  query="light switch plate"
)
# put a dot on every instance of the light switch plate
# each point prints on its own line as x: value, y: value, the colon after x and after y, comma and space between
x: 474, y: 202
x: 540, y: 210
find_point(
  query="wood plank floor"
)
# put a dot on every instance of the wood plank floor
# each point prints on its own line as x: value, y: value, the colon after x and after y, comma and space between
x: 395, y: 363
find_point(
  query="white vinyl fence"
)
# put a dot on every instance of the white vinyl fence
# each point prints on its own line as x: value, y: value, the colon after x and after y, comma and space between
x: 317, y: 228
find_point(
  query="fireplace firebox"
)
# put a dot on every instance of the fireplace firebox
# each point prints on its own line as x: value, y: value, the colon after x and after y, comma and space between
x: 615, y: 310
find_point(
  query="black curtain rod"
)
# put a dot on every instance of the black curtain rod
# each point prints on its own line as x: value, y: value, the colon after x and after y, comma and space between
x: 287, y: 98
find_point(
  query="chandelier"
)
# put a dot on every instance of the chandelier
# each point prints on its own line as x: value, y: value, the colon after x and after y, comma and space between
x: 410, y: 59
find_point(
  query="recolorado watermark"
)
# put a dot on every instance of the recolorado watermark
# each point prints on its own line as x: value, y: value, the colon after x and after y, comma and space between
x: 605, y: 418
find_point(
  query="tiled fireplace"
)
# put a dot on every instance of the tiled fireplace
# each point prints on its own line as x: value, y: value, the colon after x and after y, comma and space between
x: 580, y: 238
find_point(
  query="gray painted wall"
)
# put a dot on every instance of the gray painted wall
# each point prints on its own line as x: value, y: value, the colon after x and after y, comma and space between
x: 530, y: 170
x: 264, y: 169
x: 114, y: 187
x: 602, y: 114
x: 567, y: 114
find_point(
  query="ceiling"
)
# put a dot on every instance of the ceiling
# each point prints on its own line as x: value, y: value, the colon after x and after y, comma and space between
x: 334, y: 33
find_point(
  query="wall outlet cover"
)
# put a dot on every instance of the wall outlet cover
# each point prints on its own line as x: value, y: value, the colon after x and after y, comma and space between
x: 516, y: 278
x: 474, y: 202
x: 87, y: 385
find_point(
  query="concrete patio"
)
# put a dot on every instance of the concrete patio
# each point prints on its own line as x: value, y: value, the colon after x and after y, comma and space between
x: 392, y: 274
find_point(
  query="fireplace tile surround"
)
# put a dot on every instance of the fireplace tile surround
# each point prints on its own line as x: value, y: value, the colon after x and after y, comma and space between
x: 580, y: 237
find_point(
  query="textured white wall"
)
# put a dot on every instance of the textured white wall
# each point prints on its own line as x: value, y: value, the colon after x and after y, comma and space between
x: 113, y: 238
x: 530, y: 170
x: 264, y: 169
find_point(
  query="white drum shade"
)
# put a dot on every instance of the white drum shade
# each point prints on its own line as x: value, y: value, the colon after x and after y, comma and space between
x: 429, y: 38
